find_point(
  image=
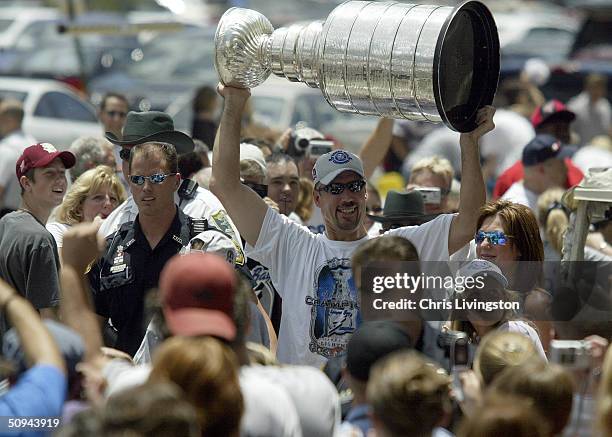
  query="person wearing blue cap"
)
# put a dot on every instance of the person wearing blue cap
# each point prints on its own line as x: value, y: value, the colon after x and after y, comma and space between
x: 313, y: 272
x: 544, y: 167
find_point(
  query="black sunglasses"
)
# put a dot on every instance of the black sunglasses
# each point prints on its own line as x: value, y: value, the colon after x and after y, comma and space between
x: 338, y: 188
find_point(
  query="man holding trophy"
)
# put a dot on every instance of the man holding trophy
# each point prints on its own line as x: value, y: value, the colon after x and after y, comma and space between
x: 420, y: 62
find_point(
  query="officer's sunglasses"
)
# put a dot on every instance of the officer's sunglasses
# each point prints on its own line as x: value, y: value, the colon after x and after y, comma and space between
x: 496, y: 238
x: 157, y: 178
x: 338, y: 188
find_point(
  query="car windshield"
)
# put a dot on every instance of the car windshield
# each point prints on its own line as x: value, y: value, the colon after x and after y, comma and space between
x: 308, y: 107
x: 12, y: 95
x: 176, y: 57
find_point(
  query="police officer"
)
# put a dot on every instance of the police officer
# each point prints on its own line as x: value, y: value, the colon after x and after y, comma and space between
x: 195, y: 201
x: 138, y: 251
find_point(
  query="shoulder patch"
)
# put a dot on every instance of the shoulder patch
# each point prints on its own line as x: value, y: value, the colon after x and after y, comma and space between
x: 221, y: 221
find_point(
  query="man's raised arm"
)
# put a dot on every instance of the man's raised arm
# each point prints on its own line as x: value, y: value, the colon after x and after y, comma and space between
x: 243, y: 205
x: 473, y: 192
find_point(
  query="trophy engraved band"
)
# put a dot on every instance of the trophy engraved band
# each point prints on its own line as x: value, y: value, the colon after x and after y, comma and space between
x: 397, y: 60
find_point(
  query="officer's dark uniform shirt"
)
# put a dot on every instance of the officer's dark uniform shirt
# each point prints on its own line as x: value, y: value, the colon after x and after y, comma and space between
x: 129, y: 268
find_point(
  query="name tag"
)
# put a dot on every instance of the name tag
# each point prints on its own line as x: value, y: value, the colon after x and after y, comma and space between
x: 118, y: 269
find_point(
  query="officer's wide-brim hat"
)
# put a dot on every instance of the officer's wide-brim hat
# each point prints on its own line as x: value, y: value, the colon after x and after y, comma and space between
x: 143, y: 127
x: 403, y: 206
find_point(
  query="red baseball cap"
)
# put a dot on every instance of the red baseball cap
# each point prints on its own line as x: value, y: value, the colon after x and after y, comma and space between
x: 41, y: 155
x: 197, y: 292
x: 551, y: 110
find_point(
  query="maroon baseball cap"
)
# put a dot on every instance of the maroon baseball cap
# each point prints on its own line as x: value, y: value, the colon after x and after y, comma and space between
x: 551, y: 110
x: 197, y: 293
x: 41, y: 155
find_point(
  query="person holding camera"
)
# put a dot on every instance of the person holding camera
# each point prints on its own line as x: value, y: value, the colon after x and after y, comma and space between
x: 313, y: 271
x: 433, y: 178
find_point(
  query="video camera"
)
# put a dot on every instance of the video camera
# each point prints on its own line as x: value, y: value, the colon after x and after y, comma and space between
x: 306, y: 141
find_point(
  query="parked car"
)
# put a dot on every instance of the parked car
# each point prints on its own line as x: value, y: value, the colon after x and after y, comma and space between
x: 15, y: 20
x: 169, y: 65
x: 53, y: 112
x: 278, y: 104
x: 44, y: 52
x: 13, y: 24
x: 591, y: 52
x: 527, y: 33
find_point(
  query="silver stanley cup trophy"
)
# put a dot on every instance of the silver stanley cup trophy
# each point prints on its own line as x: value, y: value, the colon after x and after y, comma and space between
x: 398, y: 60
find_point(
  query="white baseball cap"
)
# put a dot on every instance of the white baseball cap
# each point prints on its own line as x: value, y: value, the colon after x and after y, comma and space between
x: 213, y: 241
x: 481, y: 267
x: 331, y: 164
x: 249, y: 152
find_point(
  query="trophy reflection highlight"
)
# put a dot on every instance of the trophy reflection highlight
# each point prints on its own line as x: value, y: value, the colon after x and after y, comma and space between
x: 397, y: 60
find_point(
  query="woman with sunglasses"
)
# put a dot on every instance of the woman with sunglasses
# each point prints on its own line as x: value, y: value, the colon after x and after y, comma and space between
x: 96, y: 193
x: 508, y: 236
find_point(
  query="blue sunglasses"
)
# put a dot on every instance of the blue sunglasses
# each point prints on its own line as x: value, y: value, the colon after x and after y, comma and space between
x: 157, y: 178
x: 496, y: 238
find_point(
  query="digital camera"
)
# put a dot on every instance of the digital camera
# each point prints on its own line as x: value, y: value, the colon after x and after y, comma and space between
x: 455, y: 345
x: 430, y: 195
x: 573, y: 354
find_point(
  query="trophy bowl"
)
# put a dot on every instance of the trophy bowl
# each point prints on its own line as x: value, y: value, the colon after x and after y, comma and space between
x: 398, y: 60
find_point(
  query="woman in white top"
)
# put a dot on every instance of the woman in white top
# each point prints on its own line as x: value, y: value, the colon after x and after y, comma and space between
x: 96, y: 193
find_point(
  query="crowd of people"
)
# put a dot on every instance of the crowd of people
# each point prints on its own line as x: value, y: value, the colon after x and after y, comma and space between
x: 160, y: 284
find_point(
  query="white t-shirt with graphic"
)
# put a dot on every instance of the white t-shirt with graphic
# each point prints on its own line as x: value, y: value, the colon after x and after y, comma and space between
x: 313, y: 276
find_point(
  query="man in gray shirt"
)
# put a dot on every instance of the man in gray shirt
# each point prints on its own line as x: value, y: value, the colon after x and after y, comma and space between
x: 29, y: 261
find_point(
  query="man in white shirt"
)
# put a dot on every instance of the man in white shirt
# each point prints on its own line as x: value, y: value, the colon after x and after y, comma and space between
x: 544, y: 168
x: 312, y: 273
x: 14, y: 142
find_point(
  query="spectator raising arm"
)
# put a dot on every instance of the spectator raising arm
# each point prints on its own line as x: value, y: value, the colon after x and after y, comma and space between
x: 376, y: 147
x: 37, y: 343
x: 473, y: 192
x: 243, y: 205
x: 82, y: 245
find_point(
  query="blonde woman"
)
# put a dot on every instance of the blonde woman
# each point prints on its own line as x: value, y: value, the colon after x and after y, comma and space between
x: 96, y: 193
